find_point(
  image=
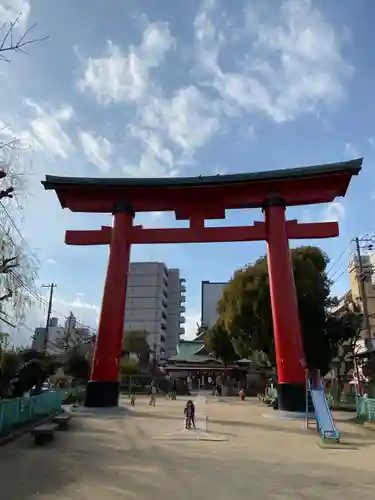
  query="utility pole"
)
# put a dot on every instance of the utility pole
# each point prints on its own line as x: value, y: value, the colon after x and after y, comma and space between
x: 52, y: 286
x: 68, y: 332
x: 362, y: 278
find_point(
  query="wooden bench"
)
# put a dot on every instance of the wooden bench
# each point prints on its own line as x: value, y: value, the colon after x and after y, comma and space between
x: 62, y: 420
x: 43, y: 433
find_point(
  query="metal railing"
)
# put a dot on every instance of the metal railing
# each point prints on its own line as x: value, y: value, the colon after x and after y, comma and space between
x: 17, y: 412
x: 365, y: 408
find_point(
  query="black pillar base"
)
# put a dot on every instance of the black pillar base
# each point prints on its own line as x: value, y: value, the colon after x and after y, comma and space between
x: 291, y: 397
x: 102, y: 394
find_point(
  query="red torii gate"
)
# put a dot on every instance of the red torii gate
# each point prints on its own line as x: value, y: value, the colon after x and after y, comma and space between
x: 197, y: 199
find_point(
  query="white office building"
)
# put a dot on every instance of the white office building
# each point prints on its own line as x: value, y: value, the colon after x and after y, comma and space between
x: 154, y: 303
x: 211, y: 294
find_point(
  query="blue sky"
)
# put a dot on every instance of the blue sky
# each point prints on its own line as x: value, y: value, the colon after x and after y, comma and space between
x: 147, y: 88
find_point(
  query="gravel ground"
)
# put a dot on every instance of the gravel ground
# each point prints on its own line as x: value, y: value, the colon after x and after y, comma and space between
x: 146, y: 454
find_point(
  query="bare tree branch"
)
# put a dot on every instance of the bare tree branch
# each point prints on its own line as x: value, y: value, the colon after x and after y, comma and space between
x: 6, y: 296
x: 7, y: 193
x: 11, y: 44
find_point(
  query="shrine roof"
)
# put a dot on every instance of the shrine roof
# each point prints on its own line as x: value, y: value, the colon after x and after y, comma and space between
x: 210, y: 195
x: 352, y: 167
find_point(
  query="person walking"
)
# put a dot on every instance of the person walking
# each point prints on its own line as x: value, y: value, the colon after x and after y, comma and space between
x: 132, y: 399
x: 153, y: 395
x: 219, y: 390
x: 174, y: 390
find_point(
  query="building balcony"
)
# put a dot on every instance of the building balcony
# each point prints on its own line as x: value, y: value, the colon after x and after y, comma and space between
x: 182, y: 309
x: 182, y: 280
x: 181, y: 319
x: 182, y: 299
x: 162, y: 338
x: 182, y: 288
x: 181, y: 331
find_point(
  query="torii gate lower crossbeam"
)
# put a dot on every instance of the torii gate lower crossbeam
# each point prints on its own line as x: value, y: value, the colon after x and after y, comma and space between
x: 103, y: 387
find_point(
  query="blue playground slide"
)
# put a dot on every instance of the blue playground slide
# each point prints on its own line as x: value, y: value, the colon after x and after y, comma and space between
x: 323, y: 414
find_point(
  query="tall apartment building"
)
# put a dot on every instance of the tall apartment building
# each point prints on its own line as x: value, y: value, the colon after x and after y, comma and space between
x: 154, y: 304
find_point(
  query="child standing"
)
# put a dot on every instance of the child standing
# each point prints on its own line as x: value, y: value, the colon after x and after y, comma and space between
x: 189, y: 414
x: 132, y: 399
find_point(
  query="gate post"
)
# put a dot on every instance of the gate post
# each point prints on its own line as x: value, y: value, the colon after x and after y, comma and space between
x: 286, y: 325
x: 103, y: 388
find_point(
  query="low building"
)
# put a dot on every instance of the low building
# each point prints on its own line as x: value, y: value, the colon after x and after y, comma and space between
x: 59, y: 339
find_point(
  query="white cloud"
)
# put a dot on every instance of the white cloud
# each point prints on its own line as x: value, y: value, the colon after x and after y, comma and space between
x: 335, y: 211
x: 46, y: 130
x: 351, y: 150
x: 167, y: 130
x: 11, y: 9
x: 97, y: 149
x: 189, y: 118
x: 191, y: 325
x: 125, y: 76
x: 296, y: 62
x: 86, y: 313
x: 52, y: 262
x: 170, y: 131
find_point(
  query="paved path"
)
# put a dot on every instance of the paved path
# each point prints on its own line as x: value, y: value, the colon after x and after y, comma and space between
x: 126, y: 455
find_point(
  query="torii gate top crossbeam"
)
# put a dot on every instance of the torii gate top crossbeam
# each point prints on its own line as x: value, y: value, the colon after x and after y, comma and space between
x: 208, y: 196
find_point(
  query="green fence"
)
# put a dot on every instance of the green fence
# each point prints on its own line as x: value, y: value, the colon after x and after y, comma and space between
x: 341, y: 401
x: 140, y: 383
x: 365, y: 408
x: 18, y: 411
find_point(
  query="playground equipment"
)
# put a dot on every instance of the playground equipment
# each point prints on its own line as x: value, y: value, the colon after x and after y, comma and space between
x: 317, y: 409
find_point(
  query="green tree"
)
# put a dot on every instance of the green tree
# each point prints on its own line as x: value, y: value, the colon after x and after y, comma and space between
x: 219, y: 343
x: 135, y: 342
x: 128, y: 367
x: 344, y: 332
x: 77, y: 366
x: 245, y: 308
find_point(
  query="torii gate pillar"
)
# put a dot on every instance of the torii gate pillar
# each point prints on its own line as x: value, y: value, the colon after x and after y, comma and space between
x: 103, y: 388
x: 286, y: 324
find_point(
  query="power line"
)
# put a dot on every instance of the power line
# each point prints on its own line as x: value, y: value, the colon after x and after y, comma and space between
x: 336, y: 262
x: 52, y: 286
x: 338, y: 277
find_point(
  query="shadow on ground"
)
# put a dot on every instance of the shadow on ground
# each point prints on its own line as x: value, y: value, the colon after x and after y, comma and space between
x: 267, y: 426
x: 91, y: 461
